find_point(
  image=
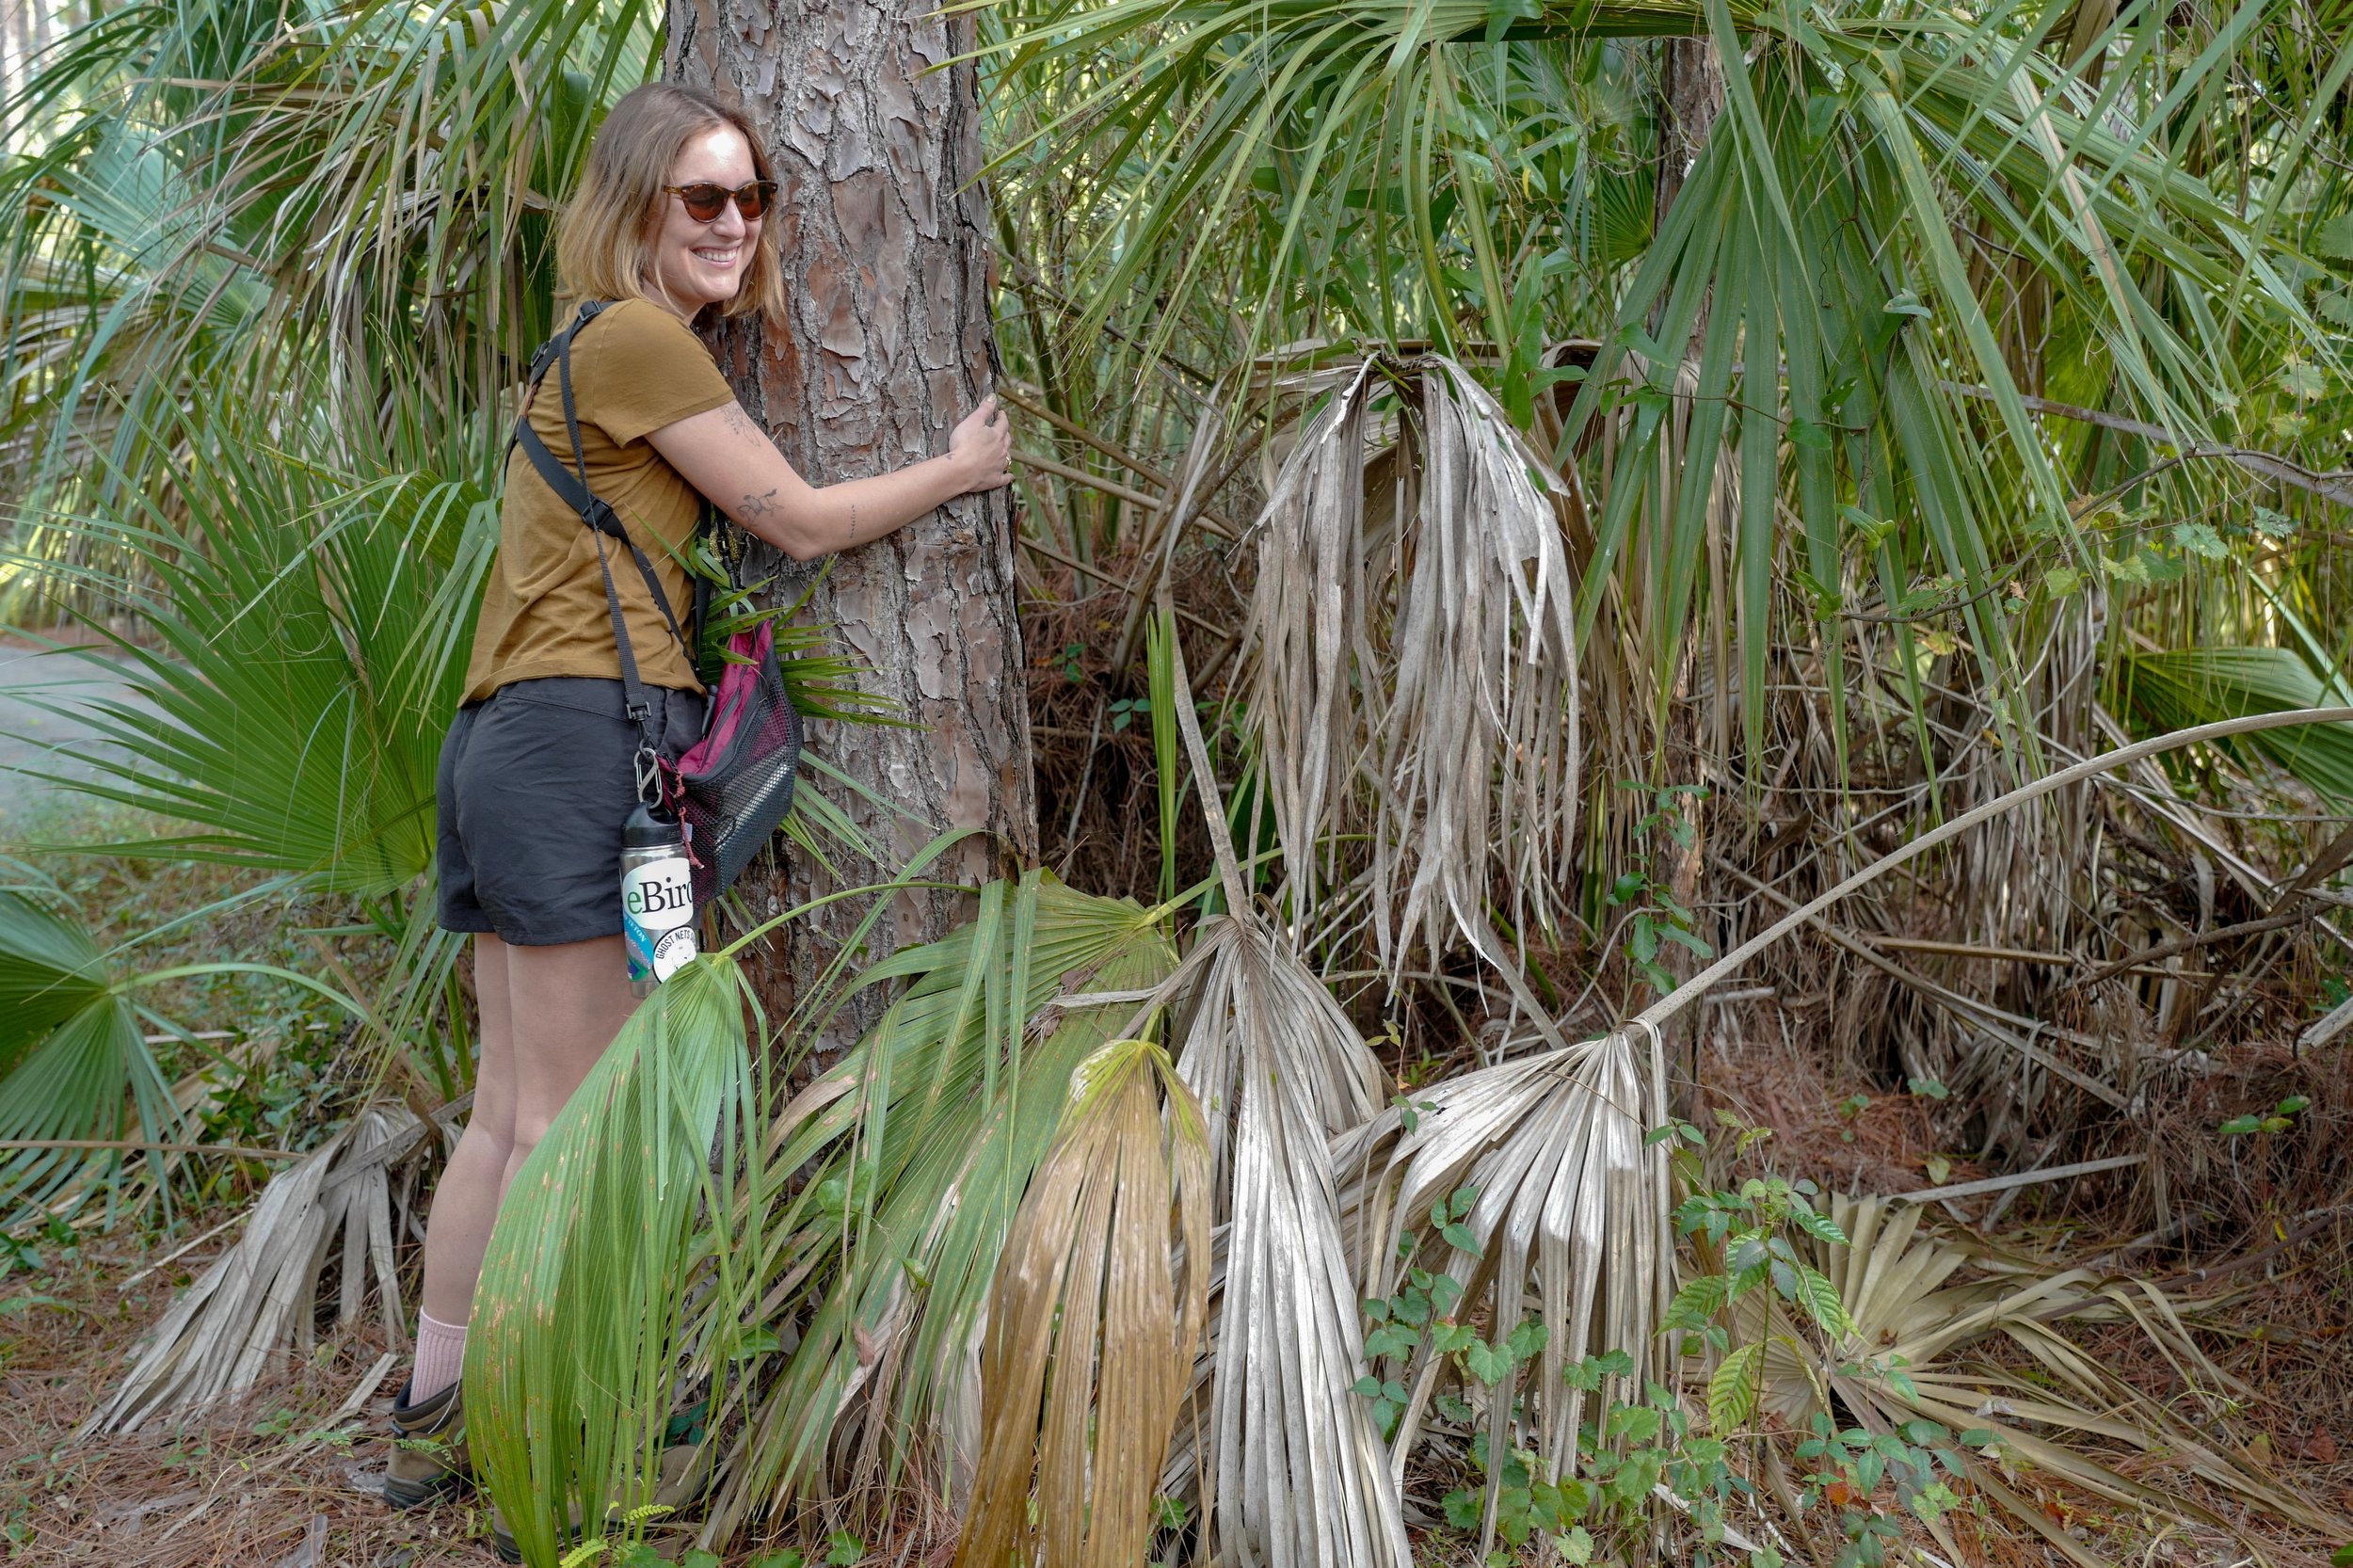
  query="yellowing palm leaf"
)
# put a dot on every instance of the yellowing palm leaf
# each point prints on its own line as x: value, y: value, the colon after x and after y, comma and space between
x: 1094, y: 1321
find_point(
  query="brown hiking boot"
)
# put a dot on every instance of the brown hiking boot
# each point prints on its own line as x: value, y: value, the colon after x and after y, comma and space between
x: 429, y: 1448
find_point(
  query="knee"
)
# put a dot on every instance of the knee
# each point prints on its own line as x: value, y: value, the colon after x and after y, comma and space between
x: 487, y: 1140
x: 527, y: 1133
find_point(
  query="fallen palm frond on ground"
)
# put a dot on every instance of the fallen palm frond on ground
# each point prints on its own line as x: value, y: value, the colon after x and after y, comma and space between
x: 1091, y: 1335
x: 255, y: 1304
x: 1917, y: 1352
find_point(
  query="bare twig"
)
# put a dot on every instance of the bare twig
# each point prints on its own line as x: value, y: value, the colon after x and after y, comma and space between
x: 1981, y: 1014
x: 2185, y: 944
x: 1094, y: 481
x: 2336, y: 487
x: 2311, y: 1223
x: 1055, y: 555
x: 184, y: 1249
x: 1970, y: 950
x: 2018, y: 1179
x: 1029, y: 400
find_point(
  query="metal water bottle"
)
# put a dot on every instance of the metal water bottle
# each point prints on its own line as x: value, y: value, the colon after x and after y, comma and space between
x: 657, y: 899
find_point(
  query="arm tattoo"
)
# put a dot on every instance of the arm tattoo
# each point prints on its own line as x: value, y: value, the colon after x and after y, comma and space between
x: 740, y: 421
x: 854, y: 522
x: 756, y: 505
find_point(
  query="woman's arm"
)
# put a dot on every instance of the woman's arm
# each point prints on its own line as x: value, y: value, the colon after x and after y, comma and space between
x: 725, y: 456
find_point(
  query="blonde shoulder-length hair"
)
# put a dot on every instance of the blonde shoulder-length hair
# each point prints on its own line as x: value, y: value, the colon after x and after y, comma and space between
x: 604, y: 240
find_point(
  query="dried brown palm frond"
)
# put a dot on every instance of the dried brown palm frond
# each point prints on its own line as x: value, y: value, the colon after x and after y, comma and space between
x: 1909, y: 1359
x: 1296, y: 1472
x: 1417, y: 686
x: 1307, y: 631
x: 257, y: 1301
x: 1095, y: 1317
x: 1571, y: 1217
x: 1288, y: 1468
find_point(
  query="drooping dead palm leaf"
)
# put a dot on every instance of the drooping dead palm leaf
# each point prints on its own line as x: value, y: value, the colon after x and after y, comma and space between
x: 1094, y: 1322
x: 1477, y: 753
x: 1295, y: 1472
x: 1290, y: 1470
x: 1417, y: 686
x: 1308, y: 632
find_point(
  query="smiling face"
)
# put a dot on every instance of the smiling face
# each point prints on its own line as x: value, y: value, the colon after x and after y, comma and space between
x: 690, y: 263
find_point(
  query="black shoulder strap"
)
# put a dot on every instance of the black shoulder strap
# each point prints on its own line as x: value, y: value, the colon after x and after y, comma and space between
x: 571, y: 487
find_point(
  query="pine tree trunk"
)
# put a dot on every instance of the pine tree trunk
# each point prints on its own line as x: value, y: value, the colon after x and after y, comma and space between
x: 1691, y: 96
x: 884, y: 235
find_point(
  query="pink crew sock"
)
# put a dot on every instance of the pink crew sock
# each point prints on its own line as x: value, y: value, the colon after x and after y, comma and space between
x: 441, y: 1357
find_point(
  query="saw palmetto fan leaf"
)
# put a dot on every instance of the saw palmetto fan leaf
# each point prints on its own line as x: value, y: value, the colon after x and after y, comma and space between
x: 1094, y: 1321
x: 1570, y: 1213
x: 583, y: 1330
x: 73, y: 1063
x: 1415, y: 684
x: 1294, y: 1471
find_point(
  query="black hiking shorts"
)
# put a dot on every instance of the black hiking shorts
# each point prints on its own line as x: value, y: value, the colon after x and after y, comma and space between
x: 534, y: 783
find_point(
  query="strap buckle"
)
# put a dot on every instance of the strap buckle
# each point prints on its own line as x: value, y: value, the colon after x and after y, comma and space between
x: 601, y: 516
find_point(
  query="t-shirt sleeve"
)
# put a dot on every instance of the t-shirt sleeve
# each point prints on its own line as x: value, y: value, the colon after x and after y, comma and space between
x: 651, y: 370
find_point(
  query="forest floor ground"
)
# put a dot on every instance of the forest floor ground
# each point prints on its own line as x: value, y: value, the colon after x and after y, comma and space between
x: 286, y: 1479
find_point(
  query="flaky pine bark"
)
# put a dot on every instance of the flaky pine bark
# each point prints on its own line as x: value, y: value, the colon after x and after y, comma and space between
x: 883, y: 231
x: 1691, y: 96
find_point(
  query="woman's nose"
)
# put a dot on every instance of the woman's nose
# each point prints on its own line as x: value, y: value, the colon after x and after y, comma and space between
x: 729, y: 224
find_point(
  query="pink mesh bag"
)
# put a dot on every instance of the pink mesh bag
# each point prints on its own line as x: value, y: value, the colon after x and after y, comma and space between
x: 732, y: 786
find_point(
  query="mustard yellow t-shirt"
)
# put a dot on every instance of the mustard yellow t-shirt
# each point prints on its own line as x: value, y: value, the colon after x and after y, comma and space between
x: 635, y: 368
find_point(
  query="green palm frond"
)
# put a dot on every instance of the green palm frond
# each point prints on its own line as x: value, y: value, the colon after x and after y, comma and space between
x: 577, y: 1346
x: 74, y: 1064
x: 238, y: 193
x: 313, y: 650
x: 926, y: 1135
x: 74, y: 1061
x: 2190, y: 686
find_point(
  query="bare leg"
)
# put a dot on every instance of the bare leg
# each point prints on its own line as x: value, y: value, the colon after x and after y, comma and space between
x: 465, y: 1201
x: 568, y: 1000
